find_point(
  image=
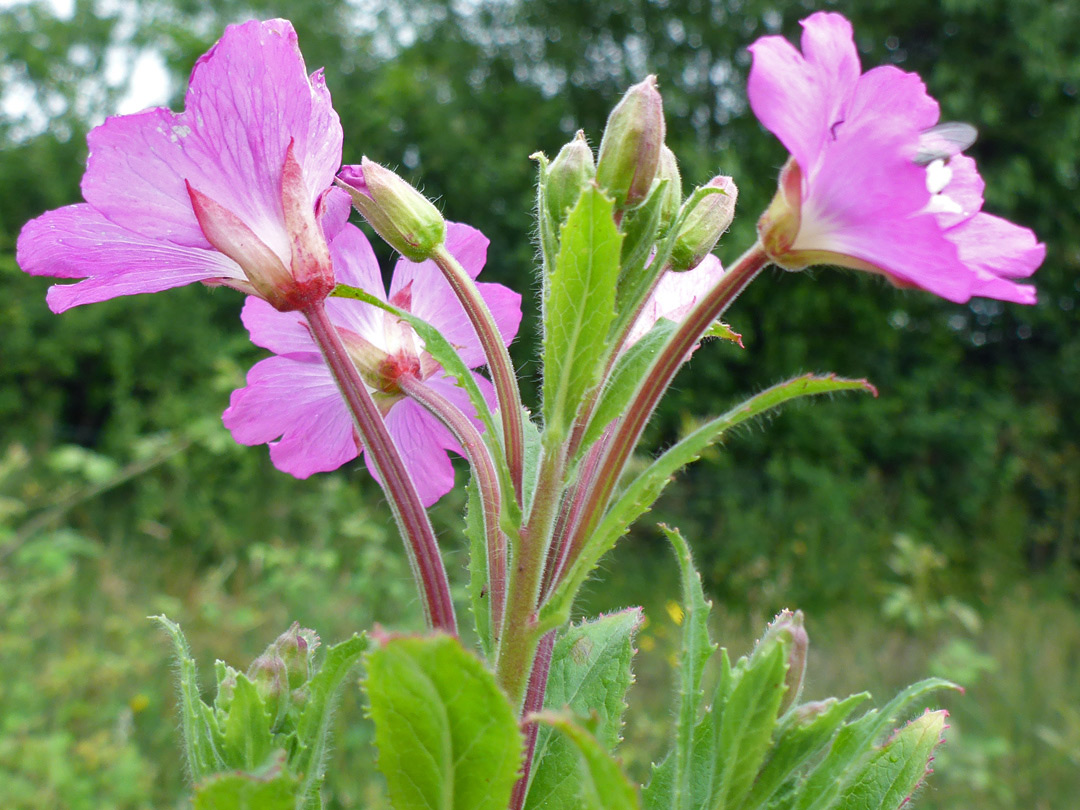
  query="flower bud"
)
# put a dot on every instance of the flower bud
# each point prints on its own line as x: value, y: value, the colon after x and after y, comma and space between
x: 704, y: 224
x: 296, y: 649
x: 400, y: 214
x: 778, y: 227
x: 672, y: 202
x: 788, y: 626
x: 571, y: 171
x: 630, y: 148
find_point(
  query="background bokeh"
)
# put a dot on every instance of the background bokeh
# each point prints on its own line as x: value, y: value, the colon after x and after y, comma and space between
x: 934, y: 530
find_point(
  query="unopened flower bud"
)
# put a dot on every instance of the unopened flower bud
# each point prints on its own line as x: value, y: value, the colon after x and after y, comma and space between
x: 630, y: 148
x: 571, y: 171
x: 268, y: 674
x: 672, y: 202
x: 704, y: 224
x: 400, y: 214
x: 788, y: 626
x: 296, y: 649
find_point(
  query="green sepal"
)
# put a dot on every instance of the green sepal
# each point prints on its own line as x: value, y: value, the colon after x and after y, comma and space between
x: 447, y: 736
x: 603, y: 785
x: 643, y: 491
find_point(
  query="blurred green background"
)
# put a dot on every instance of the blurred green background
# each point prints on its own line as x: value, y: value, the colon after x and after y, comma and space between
x: 935, y: 530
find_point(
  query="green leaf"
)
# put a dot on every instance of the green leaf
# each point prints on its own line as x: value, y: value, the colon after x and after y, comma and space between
x: 531, y: 463
x: 313, y: 729
x: 479, y: 585
x: 604, y: 786
x: 853, y: 746
x: 590, y: 674
x: 579, y: 309
x: 439, y: 347
x: 696, y: 650
x: 447, y: 737
x: 894, y: 773
x: 248, y: 742
x: 197, y: 726
x: 803, y: 732
x: 626, y: 376
x: 747, y: 720
x: 646, y: 488
x: 270, y: 790
x: 640, y: 228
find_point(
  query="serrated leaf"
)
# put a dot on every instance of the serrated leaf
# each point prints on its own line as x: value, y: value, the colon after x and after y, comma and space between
x: 853, y: 746
x: 590, y: 674
x: 197, y: 726
x: 747, y: 720
x: 647, y: 486
x: 272, y: 790
x: 248, y: 742
x: 579, y: 309
x: 892, y: 775
x: 479, y: 582
x: 439, y: 347
x: 447, y: 737
x: 626, y: 376
x: 721, y: 330
x: 804, y: 732
x: 313, y: 729
x: 603, y: 784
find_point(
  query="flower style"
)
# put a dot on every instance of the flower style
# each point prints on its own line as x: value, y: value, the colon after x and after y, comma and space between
x: 293, y: 395
x: 674, y: 296
x: 226, y: 192
x: 857, y: 192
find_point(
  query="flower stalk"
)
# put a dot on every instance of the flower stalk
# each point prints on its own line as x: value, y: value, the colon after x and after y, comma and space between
x: 412, y: 519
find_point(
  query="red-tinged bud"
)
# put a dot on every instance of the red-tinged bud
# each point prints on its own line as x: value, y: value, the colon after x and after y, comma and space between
x: 705, y: 223
x: 788, y: 627
x: 672, y: 202
x: 630, y: 148
x: 295, y: 648
x: 778, y: 227
x: 571, y: 171
x: 400, y: 214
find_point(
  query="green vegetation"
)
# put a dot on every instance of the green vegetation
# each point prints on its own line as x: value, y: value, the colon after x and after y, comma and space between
x: 932, y: 531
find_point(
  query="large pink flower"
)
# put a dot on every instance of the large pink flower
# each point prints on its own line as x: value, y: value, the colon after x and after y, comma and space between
x: 292, y: 403
x: 225, y: 192
x: 857, y: 193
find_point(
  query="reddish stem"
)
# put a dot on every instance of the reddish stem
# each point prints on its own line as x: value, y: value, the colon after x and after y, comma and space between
x: 486, y: 479
x: 412, y: 519
x: 534, y: 702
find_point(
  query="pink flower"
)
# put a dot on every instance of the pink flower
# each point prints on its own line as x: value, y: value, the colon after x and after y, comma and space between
x: 226, y: 192
x: 854, y: 193
x: 293, y: 395
x: 675, y: 295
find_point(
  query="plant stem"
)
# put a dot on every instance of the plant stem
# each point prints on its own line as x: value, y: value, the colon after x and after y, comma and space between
x: 412, y: 519
x: 498, y: 361
x: 628, y: 431
x: 534, y: 702
x: 486, y: 479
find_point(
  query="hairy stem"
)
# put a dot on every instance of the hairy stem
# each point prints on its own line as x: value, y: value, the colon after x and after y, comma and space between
x: 487, y: 481
x: 628, y: 431
x: 498, y: 361
x: 534, y: 702
x: 412, y: 519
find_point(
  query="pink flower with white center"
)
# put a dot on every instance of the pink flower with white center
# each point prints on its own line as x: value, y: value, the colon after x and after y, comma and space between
x: 292, y: 403
x: 675, y: 295
x: 856, y: 192
x: 227, y: 192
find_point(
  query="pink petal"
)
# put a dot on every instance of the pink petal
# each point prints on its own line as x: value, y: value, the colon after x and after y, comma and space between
x: 298, y: 401
x: 355, y: 265
x: 448, y: 387
x: 797, y: 97
x: 675, y: 295
x: 998, y: 250
x: 281, y: 332
x: 890, y: 93
x: 422, y: 441
x: 77, y: 241
x: 965, y: 189
x: 249, y: 95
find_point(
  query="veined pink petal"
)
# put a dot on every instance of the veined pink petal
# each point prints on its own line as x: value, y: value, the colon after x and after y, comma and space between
x: 298, y: 401
x: 283, y: 333
x: 78, y: 241
x: 998, y: 251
